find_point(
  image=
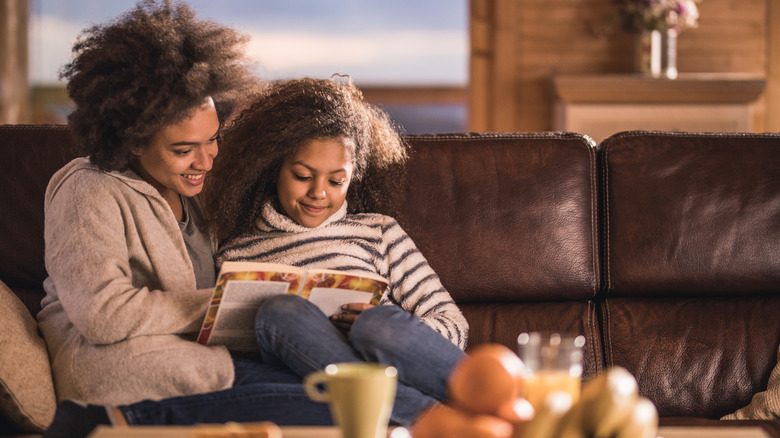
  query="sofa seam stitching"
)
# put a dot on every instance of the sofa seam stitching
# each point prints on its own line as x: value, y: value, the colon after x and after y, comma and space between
x: 497, y: 135
x: 608, y: 275
x: 594, y: 219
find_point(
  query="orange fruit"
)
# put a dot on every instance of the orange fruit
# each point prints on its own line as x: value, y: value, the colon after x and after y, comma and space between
x: 485, y: 380
x: 446, y: 422
x: 516, y: 411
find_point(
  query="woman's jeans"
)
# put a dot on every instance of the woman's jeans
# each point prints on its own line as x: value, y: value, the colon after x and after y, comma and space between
x: 294, y: 333
x: 296, y: 339
x: 282, y: 403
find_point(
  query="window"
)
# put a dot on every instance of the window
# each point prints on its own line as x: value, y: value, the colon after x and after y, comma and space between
x: 409, y: 56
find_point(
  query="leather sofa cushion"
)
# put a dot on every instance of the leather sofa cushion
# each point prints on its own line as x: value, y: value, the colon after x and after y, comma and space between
x: 503, y: 322
x: 698, y: 357
x: 691, y: 214
x: 36, y: 152
x: 506, y: 218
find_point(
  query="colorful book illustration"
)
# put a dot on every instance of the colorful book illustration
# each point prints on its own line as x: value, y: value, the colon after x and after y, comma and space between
x: 242, y: 286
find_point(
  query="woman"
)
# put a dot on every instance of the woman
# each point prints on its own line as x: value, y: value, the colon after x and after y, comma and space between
x: 130, y: 261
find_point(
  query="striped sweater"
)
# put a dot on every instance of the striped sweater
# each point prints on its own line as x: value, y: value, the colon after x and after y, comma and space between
x: 360, y: 242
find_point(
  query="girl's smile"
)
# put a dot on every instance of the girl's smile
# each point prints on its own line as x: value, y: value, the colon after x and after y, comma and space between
x: 313, y: 209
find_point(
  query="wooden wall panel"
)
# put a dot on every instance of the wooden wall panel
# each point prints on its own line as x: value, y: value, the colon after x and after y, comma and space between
x: 510, y: 87
x: 13, y: 62
x: 493, y: 93
x: 772, y: 95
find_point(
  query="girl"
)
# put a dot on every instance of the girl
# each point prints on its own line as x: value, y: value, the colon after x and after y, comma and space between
x: 304, y: 175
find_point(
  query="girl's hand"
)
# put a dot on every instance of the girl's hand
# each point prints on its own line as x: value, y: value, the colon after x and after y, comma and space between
x: 349, y: 313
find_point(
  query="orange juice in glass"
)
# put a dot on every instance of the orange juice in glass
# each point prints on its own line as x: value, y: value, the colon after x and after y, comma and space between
x: 553, y: 362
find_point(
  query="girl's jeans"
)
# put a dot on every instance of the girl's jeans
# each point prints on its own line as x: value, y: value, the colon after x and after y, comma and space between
x: 296, y: 339
x: 295, y: 334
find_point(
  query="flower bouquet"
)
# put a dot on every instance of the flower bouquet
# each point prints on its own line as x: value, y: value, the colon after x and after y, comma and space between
x: 649, y: 15
x: 656, y: 24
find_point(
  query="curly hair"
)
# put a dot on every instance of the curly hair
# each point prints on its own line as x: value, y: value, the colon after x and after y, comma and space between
x: 283, y: 118
x: 151, y: 67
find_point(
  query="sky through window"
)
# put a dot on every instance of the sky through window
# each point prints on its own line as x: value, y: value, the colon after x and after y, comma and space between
x: 399, y: 42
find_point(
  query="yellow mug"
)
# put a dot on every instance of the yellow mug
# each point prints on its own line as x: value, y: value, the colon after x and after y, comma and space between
x: 360, y: 396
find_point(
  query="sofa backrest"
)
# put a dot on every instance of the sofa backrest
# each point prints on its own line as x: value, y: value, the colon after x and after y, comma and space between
x: 509, y: 217
x: 692, y: 265
x: 31, y: 155
x: 509, y: 222
x: 693, y: 214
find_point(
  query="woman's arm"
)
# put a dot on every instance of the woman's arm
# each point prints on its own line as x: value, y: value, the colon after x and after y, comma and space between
x: 117, y: 269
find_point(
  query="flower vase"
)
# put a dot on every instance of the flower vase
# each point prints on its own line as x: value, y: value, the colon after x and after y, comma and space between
x: 647, y: 53
x: 669, y: 54
x: 656, y: 53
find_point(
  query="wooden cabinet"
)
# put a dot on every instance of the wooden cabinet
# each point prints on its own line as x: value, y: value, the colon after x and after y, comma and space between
x: 601, y: 105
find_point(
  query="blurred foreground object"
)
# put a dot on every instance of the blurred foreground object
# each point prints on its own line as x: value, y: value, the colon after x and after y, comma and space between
x: 485, y: 403
x: 264, y: 429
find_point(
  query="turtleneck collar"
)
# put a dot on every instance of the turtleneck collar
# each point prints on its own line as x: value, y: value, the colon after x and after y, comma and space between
x: 273, y: 220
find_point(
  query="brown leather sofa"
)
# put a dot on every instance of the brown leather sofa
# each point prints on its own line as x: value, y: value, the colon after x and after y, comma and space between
x: 662, y: 248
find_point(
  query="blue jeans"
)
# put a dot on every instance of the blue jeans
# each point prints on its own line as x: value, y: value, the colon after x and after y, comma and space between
x: 260, y: 393
x: 294, y: 333
x: 271, y: 390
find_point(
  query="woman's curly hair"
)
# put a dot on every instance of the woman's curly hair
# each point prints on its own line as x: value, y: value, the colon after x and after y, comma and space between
x: 151, y: 67
x: 284, y: 117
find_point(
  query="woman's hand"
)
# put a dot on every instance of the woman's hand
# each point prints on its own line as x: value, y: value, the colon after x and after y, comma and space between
x: 349, y: 313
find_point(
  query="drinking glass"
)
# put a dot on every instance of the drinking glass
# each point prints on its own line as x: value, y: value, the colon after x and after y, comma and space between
x: 553, y: 363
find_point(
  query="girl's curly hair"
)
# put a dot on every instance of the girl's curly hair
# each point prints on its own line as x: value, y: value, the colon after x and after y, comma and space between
x: 284, y: 117
x: 150, y: 68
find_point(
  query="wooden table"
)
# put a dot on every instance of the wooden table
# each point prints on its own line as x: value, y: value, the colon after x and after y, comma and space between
x: 332, y: 432
x: 188, y: 432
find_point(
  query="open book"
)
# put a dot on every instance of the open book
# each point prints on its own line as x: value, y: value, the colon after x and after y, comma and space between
x: 241, y: 286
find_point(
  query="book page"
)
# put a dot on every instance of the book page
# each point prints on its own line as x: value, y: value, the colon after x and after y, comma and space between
x: 240, y: 301
x: 329, y: 290
x: 330, y: 300
x: 355, y: 275
x: 230, y: 319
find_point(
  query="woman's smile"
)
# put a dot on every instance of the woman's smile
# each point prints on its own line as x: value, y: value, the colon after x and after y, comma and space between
x: 195, y: 179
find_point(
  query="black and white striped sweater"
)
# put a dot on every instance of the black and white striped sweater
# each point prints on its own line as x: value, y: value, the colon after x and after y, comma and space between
x: 360, y: 242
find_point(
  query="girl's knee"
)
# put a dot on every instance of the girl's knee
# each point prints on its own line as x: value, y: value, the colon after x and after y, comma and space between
x: 377, y: 325
x: 280, y: 306
x: 375, y: 318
